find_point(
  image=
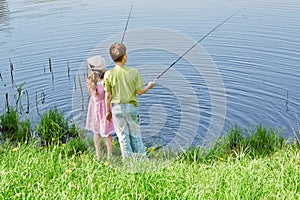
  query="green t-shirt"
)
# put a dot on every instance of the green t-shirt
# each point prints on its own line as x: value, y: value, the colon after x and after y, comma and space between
x: 123, y: 82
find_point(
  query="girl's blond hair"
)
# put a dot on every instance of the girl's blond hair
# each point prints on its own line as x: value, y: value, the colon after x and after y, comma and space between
x: 93, y: 78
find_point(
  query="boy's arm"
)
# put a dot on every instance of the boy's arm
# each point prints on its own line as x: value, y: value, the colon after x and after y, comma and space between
x: 145, y: 89
x: 108, y: 98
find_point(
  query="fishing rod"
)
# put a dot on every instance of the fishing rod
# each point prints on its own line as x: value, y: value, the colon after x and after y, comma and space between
x: 126, y: 24
x: 195, y: 45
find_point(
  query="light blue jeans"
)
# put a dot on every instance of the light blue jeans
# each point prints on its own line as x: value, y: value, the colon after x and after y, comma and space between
x: 127, y: 126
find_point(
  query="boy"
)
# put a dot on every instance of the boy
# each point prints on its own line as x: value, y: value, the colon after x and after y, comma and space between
x: 121, y: 84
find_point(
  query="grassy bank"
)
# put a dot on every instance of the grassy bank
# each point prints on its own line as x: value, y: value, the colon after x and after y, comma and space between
x: 242, y: 164
x: 27, y: 172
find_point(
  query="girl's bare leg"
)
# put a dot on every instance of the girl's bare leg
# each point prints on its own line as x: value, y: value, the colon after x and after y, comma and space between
x: 109, y: 146
x: 97, y: 145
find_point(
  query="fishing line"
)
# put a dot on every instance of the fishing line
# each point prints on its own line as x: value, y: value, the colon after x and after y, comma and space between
x: 195, y: 45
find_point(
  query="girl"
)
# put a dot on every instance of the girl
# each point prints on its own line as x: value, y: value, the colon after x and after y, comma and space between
x: 96, y: 120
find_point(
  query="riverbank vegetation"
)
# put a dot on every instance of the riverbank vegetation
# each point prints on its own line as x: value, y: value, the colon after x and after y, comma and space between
x: 60, y: 164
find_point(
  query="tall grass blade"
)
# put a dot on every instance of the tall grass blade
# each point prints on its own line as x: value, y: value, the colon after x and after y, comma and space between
x: 43, y: 97
x: 50, y: 64
x: 6, y: 102
x: 52, y: 78
x: 11, y: 65
x: 19, y: 95
x: 68, y: 66
x: 81, y: 93
x: 37, y: 104
x: 28, y: 103
x: 75, y: 86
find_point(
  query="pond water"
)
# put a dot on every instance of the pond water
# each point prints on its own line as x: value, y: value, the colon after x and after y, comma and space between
x: 244, y: 72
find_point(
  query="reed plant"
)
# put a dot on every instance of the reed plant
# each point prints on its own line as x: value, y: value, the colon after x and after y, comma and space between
x: 264, y: 141
x: 77, y: 146
x: 261, y: 141
x: 53, y: 128
x: 14, y: 129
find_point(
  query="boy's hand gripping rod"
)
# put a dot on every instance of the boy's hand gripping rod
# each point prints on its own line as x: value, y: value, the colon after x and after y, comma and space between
x: 194, y: 46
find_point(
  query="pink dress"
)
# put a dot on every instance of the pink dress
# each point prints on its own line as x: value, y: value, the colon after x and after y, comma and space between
x: 95, y: 119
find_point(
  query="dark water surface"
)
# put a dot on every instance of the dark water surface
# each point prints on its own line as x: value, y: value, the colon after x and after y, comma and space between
x: 245, y: 72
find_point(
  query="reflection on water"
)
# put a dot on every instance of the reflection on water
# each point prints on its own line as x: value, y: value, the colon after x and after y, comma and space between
x: 4, y: 19
x: 256, y: 56
x: 3, y: 11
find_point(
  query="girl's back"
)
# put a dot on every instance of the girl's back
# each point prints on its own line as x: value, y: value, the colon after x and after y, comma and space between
x: 100, y: 91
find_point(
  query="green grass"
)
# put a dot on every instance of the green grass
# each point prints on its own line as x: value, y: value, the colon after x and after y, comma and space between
x: 243, y: 164
x: 13, y: 128
x: 27, y: 172
x: 260, y: 142
x: 53, y: 128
